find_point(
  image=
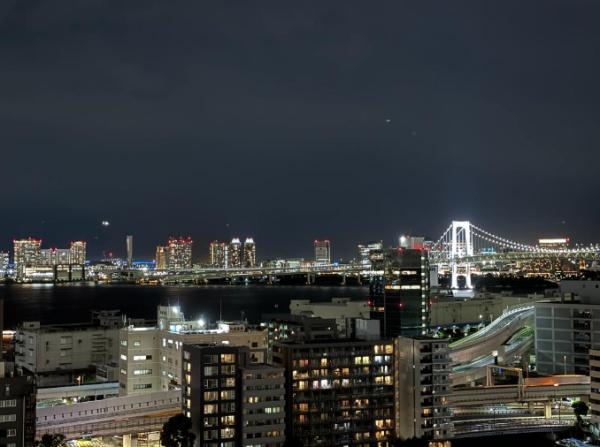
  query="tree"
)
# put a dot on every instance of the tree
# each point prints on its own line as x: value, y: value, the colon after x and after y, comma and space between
x: 176, y: 432
x: 49, y: 440
x: 580, y: 409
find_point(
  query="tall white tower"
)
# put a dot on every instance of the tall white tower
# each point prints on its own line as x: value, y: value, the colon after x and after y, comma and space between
x: 461, y: 246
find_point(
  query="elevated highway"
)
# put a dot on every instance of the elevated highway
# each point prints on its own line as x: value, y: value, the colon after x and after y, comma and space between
x: 508, y: 337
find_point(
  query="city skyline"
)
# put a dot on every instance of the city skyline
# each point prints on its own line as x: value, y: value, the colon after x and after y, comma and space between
x: 297, y: 123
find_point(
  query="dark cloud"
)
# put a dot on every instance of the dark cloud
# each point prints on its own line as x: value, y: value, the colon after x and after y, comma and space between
x: 182, y: 117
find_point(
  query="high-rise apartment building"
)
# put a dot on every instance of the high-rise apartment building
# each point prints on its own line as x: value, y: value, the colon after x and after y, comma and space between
x: 322, y: 252
x: 26, y: 253
x: 399, y: 293
x: 78, y: 252
x: 422, y: 381
x: 179, y: 253
x: 595, y: 386
x: 4, y: 263
x: 339, y: 392
x: 162, y: 253
x: 219, y: 254
x: 54, y: 256
x: 235, y: 253
x: 249, y: 253
x: 230, y: 402
x: 17, y: 412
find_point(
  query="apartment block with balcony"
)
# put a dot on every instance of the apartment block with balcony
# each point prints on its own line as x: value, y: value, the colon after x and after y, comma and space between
x: 422, y: 383
x: 339, y: 392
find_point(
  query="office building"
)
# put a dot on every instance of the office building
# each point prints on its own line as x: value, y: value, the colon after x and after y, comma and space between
x: 26, y: 253
x: 179, y: 253
x: 322, y: 252
x: 343, y: 310
x: 399, y: 292
x: 249, y: 253
x: 369, y: 252
x: 422, y: 383
x: 339, y: 392
x: 230, y: 402
x: 78, y: 252
x: 139, y: 360
x: 235, y: 253
x: 567, y: 328
x: 160, y: 259
x: 219, y: 254
x: 58, y: 354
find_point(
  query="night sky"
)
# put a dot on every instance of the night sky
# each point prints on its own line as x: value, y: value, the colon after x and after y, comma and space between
x: 290, y: 121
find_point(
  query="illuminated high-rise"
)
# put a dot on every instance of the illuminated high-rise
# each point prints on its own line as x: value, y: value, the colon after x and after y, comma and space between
x: 322, y: 252
x: 161, y: 257
x: 78, y: 252
x: 235, y: 253
x: 369, y: 252
x: 219, y: 252
x: 129, y: 244
x: 399, y: 292
x: 249, y: 253
x: 179, y: 253
x: 4, y: 261
x: 26, y: 252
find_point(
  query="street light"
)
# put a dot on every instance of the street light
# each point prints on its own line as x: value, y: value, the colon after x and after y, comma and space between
x: 555, y: 389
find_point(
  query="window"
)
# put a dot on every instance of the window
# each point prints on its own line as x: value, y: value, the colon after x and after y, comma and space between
x: 138, y: 358
x: 142, y: 372
x: 227, y: 358
x: 211, y: 370
x: 123, y: 357
x: 142, y: 386
x: 137, y: 343
x: 8, y: 417
x: 123, y: 342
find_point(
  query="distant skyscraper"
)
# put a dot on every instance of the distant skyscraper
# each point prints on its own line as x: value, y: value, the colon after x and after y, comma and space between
x: 249, y: 252
x: 129, y: 242
x: 26, y: 252
x: 399, y: 296
x: 179, y: 253
x: 161, y: 257
x: 78, y: 252
x: 368, y: 252
x: 219, y: 254
x: 322, y: 252
x: 4, y: 261
x: 235, y: 253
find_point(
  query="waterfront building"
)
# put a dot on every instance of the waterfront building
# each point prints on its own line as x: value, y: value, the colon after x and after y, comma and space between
x: 422, y: 384
x: 179, y: 253
x: 399, y: 292
x: 219, y: 254
x: 567, y: 328
x: 78, y: 252
x: 343, y: 310
x: 322, y: 251
x: 249, y: 253
x: 235, y: 253
x: 231, y: 402
x: 59, y: 354
x: 4, y: 263
x: 26, y: 253
x: 54, y: 256
x: 129, y: 245
x: 160, y: 259
x: 369, y: 252
x: 558, y: 243
x: 338, y: 392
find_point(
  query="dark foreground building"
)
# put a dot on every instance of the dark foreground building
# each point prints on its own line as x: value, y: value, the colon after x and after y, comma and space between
x: 339, y: 392
x: 17, y: 410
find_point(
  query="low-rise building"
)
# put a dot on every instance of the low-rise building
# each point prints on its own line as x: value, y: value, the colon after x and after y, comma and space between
x: 343, y: 310
x: 60, y: 354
